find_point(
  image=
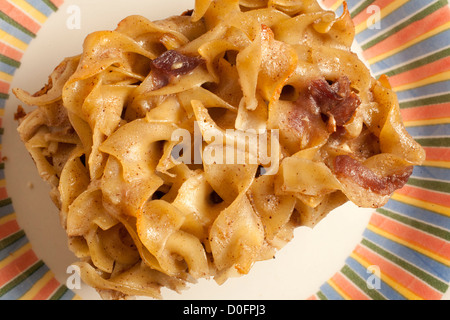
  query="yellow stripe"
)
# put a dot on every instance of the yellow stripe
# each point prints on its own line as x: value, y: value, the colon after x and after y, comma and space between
x: 407, y: 244
x: 13, y: 41
x: 6, y: 77
x: 422, y: 204
x: 338, y: 289
x: 34, y: 290
x: 8, y: 218
x: 423, y: 37
x: 2, y: 183
x: 336, y: 5
x: 33, y: 12
x: 408, y: 294
x: 433, y: 79
x: 2, y: 112
x: 439, y: 164
x: 10, y: 258
x: 427, y: 122
x: 383, y: 13
x: 76, y: 297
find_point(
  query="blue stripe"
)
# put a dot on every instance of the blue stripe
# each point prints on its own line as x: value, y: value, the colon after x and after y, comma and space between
x: 384, y: 289
x: 431, y: 130
x: 406, y: 11
x: 2, y: 103
x: 330, y: 293
x: 431, y: 89
x: 40, y: 6
x: 7, y: 68
x: 13, y: 247
x: 434, y: 268
x: 428, y: 46
x: 6, y: 210
x: 24, y: 286
x: 442, y: 174
x: 68, y: 295
x: 419, y: 214
x: 19, y: 34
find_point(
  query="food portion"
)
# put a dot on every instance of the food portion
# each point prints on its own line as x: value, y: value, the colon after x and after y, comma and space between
x: 144, y: 138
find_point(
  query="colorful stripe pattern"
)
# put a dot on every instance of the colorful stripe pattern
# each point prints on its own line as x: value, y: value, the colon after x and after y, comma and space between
x: 405, y: 249
x: 22, y: 274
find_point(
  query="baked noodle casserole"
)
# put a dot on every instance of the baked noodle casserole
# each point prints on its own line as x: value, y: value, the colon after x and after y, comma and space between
x: 140, y: 211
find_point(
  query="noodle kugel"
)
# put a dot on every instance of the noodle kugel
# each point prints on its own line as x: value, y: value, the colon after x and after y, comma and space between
x: 139, y: 219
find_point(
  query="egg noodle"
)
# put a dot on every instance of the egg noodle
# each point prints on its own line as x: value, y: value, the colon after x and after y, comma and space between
x: 138, y: 214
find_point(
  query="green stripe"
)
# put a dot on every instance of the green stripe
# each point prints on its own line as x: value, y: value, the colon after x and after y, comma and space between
x: 11, y: 239
x: 440, y: 186
x: 424, y: 276
x: 438, y: 232
x: 50, y: 5
x: 15, y: 24
x: 425, y: 101
x: 59, y: 293
x: 361, y: 283
x: 419, y: 16
x: 2, y: 165
x: 16, y: 281
x: 5, y: 202
x: 4, y: 96
x: 421, y: 62
x: 361, y: 8
x: 321, y: 296
x: 9, y: 61
x: 434, y: 142
x: 2, y: 131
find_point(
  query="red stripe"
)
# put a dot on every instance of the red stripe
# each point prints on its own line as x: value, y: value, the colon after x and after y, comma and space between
x: 430, y: 112
x: 10, y: 52
x: 365, y: 14
x: 440, y: 198
x: 46, y: 291
x: 400, y: 276
x: 348, y: 287
x: 411, y: 235
x: 19, y: 16
x: 9, y: 228
x: 437, y: 153
x: 17, y: 266
x: 411, y: 32
x: 4, y: 87
x: 57, y: 3
x: 421, y: 73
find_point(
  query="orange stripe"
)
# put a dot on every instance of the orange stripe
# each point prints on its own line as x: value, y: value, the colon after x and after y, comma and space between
x: 399, y: 275
x: 9, y: 228
x: 365, y: 15
x: 46, y: 291
x: 411, y: 235
x: 4, y: 87
x: 19, y: 16
x: 57, y: 3
x: 17, y: 266
x: 429, y: 196
x: 328, y: 3
x: 437, y: 153
x: 412, y: 31
x: 348, y: 287
x: 420, y: 73
x: 426, y: 112
x: 10, y: 52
